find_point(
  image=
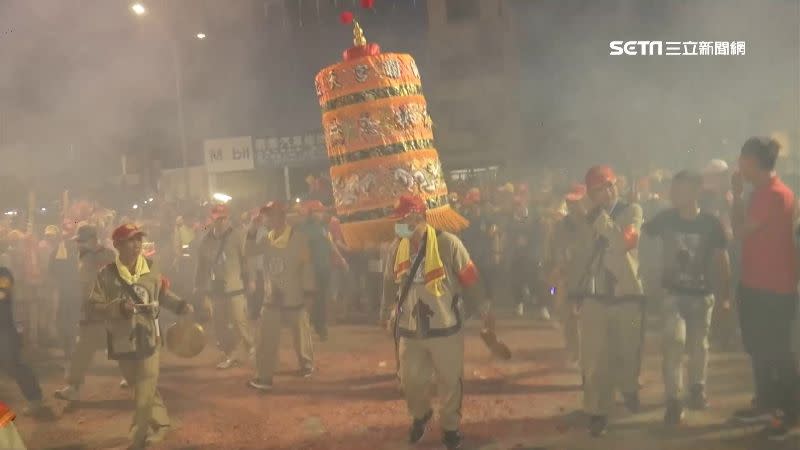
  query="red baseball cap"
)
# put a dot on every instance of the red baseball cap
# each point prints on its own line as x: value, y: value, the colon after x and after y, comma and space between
x: 125, y: 232
x: 219, y: 211
x: 408, y: 204
x: 473, y: 196
x: 576, y: 192
x: 599, y: 176
x: 274, y: 206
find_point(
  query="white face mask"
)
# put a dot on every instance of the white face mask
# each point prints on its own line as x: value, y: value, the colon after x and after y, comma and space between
x: 403, y: 230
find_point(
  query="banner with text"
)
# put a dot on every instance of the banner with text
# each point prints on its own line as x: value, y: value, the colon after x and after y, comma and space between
x: 229, y: 155
x: 290, y: 151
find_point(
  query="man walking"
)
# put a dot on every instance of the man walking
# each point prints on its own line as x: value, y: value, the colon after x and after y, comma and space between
x: 10, y: 348
x: 220, y: 267
x: 603, y: 280
x: 290, y: 292
x: 126, y: 296
x: 322, y: 254
x: 91, y: 331
x: 695, y: 266
x: 560, y: 258
x: 427, y: 274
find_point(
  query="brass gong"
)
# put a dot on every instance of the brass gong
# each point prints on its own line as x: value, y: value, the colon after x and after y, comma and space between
x: 186, y: 338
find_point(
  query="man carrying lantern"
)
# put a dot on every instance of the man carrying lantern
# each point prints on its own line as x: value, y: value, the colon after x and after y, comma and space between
x: 435, y: 286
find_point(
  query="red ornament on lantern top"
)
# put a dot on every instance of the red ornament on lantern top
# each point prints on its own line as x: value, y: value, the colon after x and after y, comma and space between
x: 360, y: 47
x: 367, y: 4
x: 346, y: 18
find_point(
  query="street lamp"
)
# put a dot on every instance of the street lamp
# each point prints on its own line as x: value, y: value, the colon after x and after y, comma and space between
x: 222, y: 198
x: 138, y: 9
x: 201, y: 36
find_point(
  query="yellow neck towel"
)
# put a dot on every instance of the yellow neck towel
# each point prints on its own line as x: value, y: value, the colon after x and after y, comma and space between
x: 140, y: 269
x: 61, y: 252
x: 434, y: 267
x: 280, y: 241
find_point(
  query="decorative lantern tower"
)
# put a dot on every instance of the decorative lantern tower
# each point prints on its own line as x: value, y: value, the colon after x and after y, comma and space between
x: 379, y: 138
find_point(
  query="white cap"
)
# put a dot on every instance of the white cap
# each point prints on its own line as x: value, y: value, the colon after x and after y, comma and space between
x: 715, y: 167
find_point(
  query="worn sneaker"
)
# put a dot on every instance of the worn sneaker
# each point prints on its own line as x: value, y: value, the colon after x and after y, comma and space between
x: 227, y: 364
x: 418, y: 428
x: 697, y: 398
x: 307, y: 372
x: 69, y: 393
x: 124, y: 384
x: 452, y: 440
x: 779, y: 429
x: 598, y: 425
x: 674, y: 413
x: 632, y: 402
x: 751, y: 416
x: 158, y: 435
x: 261, y: 385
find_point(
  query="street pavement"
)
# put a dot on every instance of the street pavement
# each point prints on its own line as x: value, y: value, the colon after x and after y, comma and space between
x: 353, y: 402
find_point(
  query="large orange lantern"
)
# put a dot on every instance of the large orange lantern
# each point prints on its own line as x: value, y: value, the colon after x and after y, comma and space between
x: 380, y: 143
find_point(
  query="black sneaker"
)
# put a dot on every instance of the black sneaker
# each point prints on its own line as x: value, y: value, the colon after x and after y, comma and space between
x: 598, y: 426
x: 779, y: 429
x: 452, y: 440
x: 674, y: 413
x: 261, y: 385
x: 307, y: 372
x: 632, y: 402
x: 697, y: 398
x: 418, y: 428
x: 751, y: 416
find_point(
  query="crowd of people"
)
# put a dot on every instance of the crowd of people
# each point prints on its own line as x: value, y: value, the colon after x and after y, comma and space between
x: 598, y: 255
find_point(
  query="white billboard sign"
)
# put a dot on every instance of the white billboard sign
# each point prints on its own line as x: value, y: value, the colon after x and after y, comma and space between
x: 229, y: 155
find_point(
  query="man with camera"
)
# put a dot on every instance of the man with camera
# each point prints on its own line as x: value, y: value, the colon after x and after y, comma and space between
x: 126, y: 296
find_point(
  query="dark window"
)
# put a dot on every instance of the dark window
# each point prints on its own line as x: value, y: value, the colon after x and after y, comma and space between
x: 462, y: 10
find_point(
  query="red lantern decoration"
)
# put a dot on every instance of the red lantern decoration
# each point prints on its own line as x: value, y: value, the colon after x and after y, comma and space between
x: 346, y: 18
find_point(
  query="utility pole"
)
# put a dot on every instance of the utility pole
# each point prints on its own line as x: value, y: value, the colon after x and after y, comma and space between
x: 176, y: 58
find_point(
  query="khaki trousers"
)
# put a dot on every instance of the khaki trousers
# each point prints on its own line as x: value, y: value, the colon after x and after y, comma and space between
x: 422, y: 361
x: 10, y: 438
x: 150, y: 413
x: 91, y: 339
x: 687, y: 322
x: 231, y: 327
x: 611, y: 339
x: 273, y: 319
x: 568, y: 321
